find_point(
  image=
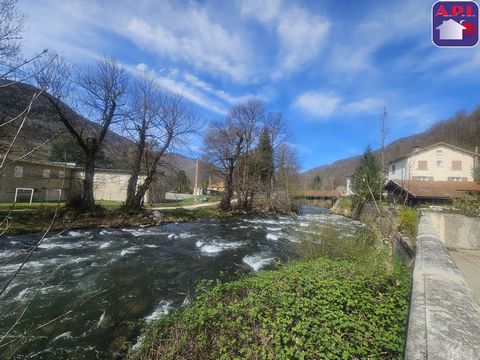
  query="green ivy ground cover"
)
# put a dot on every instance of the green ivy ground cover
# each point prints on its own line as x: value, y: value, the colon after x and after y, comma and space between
x: 307, y: 309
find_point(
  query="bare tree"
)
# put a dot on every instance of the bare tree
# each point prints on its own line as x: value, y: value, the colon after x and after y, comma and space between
x: 287, y: 171
x: 157, y: 122
x: 223, y: 145
x: 383, y: 156
x: 99, y: 92
x: 11, y: 28
x: 247, y: 116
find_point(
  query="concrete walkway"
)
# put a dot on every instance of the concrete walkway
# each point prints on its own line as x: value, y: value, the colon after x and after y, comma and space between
x: 468, y: 262
x: 188, y: 207
x: 461, y: 236
x: 444, y: 320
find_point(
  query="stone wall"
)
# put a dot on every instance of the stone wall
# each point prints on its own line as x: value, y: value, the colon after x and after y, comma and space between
x: 444, y: 318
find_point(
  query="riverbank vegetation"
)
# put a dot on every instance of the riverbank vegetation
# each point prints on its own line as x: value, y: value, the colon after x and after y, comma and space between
x: 347, y: 298
x: 32, y: 219
x: 468, y: 204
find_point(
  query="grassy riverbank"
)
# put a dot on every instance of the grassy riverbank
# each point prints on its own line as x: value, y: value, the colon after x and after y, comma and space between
x: 38, y: 219
x: 350, y: 303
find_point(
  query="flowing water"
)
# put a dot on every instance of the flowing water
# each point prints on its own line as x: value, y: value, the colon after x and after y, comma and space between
x: 84, y: 294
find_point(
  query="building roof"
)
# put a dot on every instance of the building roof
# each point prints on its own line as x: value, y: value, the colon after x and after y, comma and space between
x: 46, y: 163
x: 318, y: 193
x: 433, y: 146
x: 433, y: 189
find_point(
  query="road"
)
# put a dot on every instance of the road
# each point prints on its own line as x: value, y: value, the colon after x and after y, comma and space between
x: 188, y: 207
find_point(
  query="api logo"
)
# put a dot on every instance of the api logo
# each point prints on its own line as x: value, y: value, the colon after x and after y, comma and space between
x: 455, y: 23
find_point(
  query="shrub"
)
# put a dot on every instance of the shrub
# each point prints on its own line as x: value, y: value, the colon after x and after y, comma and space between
x: 408, y: 221
x: 309, y: 309
x: 337, y: 243
x: 468, y: 204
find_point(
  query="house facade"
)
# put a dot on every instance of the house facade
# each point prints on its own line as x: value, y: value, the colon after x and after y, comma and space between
x: 111, y: 185
x: 36, y: 181
x: 438, y: 162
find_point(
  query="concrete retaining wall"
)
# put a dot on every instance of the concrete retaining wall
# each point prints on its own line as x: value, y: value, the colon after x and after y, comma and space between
x: 457, y: 231
x: 177, y: 196
x: 444, y: 316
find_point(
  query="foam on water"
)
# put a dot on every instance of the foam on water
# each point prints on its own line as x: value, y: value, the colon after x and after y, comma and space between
x: 171, y: 236
x: 74, y: 233
x: 274, y: 229
x: 54, y: 245
x: 135, y: 232
x: 21, y: 294
x: 186, y: 235
x: 272, y: 237
x: 257, y: 261
x: 106, y: 244
x: 163, y: 308
x: 65, y: 335
x: 215, y: 246
x: 102, y: 317
x: 126, y: 251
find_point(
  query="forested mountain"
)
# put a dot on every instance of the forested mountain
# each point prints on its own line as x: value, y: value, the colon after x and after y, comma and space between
x: 462, y: 130
x: 42, y: 123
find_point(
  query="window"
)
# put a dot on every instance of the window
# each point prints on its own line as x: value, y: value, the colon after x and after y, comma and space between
x: 422, y: 165
x: 46, y: 173
x: 439, y: 163
x: 456, y: 165
x: 439, y: 153
x: 61, y: 174
x: 18, y: 171
x: 422, y: 178
x: 455, y: 178
x: 393, y: 169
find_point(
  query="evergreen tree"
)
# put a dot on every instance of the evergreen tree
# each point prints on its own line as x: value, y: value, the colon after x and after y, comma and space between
x: 367, y: 179
x: 317, y: 182
x: 264, y: 160
x: 65, y: 148
x: 181, y: 184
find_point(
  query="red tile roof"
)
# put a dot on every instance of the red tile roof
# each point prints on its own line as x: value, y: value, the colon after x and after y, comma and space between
x: 433, y: 189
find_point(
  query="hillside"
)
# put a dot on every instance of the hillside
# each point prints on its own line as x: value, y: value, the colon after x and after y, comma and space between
x: 42, y: 123
x: 462, y: 130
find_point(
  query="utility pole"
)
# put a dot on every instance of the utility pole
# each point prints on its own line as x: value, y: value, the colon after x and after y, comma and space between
x: 195, y: 189
x: 383, y: 137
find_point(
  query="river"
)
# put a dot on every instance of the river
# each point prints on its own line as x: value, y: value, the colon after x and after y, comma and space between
x: 85, y: 293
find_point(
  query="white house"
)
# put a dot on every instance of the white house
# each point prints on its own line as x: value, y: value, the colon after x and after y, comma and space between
x: 438, y: 162
x: 451, y: 30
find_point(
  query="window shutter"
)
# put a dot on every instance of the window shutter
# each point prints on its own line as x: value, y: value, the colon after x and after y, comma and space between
x: 456, y: 165
x: 422, y: 165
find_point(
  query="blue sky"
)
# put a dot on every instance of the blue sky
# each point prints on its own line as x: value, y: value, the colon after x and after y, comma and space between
x: 329, y: 66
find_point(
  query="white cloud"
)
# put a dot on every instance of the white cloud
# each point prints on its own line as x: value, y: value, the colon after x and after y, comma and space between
x: 230, y: 99
x: 318, y: 104
x: 301, y: 34
x: 194, y: 37
x: 325, y: 104
x: 166, y: 81
x: 366, y: 106
x: 355, y: 46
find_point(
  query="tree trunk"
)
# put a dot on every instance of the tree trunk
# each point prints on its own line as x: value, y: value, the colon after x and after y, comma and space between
x: 135, y: 202
x: 88, y: 197
x: 225, y: 204
x: 132, y: 201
